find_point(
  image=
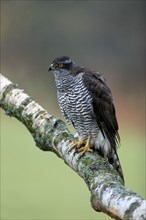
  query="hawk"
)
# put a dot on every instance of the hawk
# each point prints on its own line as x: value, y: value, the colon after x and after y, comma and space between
x: 86, y: 101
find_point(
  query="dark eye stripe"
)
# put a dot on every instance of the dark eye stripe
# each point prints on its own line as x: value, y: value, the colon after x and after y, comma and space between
x: 67, y: 65
x: 63, y: 65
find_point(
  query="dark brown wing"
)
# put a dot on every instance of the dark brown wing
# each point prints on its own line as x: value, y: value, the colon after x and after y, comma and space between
x: 103, y: 106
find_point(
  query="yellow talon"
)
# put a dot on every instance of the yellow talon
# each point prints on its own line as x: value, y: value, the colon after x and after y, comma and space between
x: 77, y: 144
x: 86, y: 147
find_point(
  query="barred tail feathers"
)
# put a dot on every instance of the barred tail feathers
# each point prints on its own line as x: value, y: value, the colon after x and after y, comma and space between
x: 115, y: 162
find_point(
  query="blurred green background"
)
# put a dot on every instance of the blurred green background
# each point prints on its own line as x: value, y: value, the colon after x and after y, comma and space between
x: 108, y: 36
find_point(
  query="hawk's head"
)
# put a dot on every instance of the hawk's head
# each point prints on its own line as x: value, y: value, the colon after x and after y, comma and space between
x: 61, y: 63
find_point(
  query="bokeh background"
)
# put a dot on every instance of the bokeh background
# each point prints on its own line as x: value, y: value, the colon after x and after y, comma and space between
x: 108, y: 36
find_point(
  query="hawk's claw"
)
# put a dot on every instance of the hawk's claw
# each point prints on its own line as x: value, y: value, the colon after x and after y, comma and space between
x: 78, y: 146
x: 87, y: 146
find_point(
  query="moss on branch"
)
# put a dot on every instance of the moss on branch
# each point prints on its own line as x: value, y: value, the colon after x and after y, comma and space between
x: 108, y: 194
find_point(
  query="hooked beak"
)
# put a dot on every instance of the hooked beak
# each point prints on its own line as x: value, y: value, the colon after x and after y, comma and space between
x: 51, y: 67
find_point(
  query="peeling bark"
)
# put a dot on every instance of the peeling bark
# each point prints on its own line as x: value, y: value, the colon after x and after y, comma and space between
x: 108, y: 194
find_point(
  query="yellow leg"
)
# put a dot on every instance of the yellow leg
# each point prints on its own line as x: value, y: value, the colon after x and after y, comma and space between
x: 87, y: 146
x: 77, y: 144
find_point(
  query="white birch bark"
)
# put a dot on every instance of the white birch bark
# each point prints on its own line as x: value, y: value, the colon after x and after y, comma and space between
x: 108, y: 194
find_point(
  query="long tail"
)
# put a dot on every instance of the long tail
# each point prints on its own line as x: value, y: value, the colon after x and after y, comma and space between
x: 115, y: 162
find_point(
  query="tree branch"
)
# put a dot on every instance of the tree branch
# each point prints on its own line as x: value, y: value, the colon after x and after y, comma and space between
x: 108, y: 194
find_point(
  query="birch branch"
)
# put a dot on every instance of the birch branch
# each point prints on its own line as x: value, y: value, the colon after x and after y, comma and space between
x: 108, y: 195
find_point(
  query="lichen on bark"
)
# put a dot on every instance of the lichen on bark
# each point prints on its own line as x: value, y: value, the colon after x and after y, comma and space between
x: 108, y: 194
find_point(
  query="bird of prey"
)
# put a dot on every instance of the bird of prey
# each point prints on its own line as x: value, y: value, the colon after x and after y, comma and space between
x: 86, y: 101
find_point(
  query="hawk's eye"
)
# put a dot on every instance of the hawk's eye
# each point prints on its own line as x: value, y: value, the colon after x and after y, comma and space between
x: 61, y: 65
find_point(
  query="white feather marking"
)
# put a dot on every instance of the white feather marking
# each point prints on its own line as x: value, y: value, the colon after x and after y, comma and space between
x: 102, y: 143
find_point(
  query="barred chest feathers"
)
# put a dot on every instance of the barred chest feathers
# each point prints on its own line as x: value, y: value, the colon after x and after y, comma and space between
x: 75, y: 103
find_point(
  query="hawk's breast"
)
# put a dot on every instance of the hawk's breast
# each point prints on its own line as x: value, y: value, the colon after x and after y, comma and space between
x: 76, y: 105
